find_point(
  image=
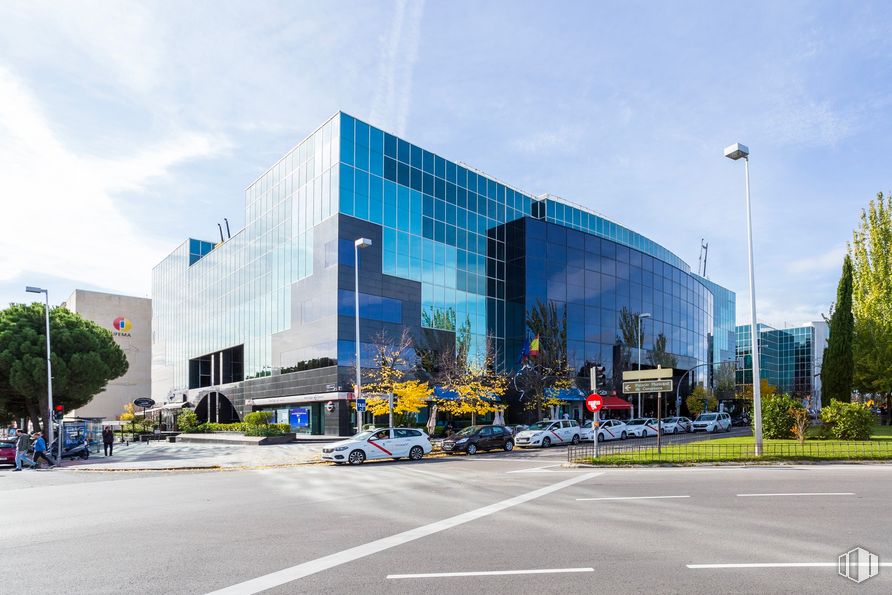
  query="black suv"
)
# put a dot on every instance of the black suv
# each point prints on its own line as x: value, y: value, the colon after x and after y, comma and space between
x: 474, y: 438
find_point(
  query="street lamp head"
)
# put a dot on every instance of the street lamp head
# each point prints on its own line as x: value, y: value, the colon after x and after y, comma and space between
x: 737, y: 151
x: 362, y: 243
x: 31, y: 289
x: 645, y: 315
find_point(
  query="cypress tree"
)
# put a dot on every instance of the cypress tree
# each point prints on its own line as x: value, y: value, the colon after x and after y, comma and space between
x: 838, y: 368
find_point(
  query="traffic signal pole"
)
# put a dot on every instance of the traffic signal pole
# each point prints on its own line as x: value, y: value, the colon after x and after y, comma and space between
x: 593, y: 371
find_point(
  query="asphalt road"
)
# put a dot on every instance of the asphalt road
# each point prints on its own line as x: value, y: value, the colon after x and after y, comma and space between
x: 327, y: 529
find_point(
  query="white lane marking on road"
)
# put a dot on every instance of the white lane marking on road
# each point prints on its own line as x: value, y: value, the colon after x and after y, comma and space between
x: 797, y: 494
x: 769, y: 565
x: 629, y: 498
x: 544, y: 469
x: 288, y: 575
x: 490, y: 573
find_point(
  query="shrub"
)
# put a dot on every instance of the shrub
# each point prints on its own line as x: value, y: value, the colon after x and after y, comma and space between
x: 259, y: 418
x: 268, y: 430
x: 847, y: 421
x: 801, y: 423
x: 777, y: 416
x: 187, y: 421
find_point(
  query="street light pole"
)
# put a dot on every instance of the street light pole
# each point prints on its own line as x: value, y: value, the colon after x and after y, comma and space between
x: 640, y: 316
x: 49, y: 364
x: 359, y: 243
x: 735, y: 152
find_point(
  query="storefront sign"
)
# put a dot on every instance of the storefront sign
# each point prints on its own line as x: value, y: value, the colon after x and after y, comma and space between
x: 299, y: 417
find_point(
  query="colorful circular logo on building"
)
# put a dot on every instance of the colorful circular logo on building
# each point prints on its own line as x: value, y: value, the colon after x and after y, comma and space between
x: 122, y: 325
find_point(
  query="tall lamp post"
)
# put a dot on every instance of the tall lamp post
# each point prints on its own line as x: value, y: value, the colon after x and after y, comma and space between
x: 735, y: 152
x: 359, y: 243
x: 49, y: 364
x: 640, y: 316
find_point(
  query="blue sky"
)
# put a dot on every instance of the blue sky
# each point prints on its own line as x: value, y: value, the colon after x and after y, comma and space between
x: 127, y: 127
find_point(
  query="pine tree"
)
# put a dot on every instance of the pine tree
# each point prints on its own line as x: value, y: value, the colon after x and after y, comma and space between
x: 838, y: 369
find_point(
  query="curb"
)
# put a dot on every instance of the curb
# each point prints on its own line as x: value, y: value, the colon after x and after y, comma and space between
x: 728, y: 464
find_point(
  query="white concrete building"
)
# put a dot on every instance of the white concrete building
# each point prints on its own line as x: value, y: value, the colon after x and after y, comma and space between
x: 130, y: 321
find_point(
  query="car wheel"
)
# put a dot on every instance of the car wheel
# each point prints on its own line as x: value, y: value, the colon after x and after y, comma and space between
x: 728, y: 429
x: 623, y: 436
x: 575, y: 439
x: 472, y: 449
x: 546, y: 442
x: 85, y: 455
x: 357, y: 457
x: 600, y: 437
x: 416, y: 453
x: 509, y: 445
x: 715, y: 429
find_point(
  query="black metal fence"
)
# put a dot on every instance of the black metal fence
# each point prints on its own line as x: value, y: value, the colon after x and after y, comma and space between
x: 709, y: 451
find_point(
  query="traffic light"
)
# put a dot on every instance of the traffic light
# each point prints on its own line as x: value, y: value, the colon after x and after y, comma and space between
x: 58, y: 412
x: 599, y: 377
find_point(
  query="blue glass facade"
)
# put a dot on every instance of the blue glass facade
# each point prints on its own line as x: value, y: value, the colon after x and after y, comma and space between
x: 789, y: 358
x: 449, y: 247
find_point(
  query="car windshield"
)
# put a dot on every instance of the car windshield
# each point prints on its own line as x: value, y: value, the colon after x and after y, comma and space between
x: 635, y: 422
x: 468, y: 431
x: 362, y: 436
x: 541, y: 425
x: 670, y: 420
x: 706, y: 417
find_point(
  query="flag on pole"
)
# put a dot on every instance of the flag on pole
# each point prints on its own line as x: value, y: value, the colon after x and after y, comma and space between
x: 533, y: 349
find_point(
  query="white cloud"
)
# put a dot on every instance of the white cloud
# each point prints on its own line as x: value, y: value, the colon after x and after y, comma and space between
x: 60, y: 214
x: 820, y: 263
x: 399, y: 54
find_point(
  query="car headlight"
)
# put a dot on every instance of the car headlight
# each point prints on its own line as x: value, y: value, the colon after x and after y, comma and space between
x: 462, y: 441
x: 342, y: 447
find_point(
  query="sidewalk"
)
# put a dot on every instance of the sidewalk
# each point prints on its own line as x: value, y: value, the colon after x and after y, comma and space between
x: 161, y: 456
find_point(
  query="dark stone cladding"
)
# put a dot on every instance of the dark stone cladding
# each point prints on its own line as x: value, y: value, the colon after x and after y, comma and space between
x: 320, y: 380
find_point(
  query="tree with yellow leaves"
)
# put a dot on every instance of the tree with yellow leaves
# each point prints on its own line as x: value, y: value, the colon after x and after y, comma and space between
x: 477, y: 386
x: 409, y: 397
x: 393, y: 365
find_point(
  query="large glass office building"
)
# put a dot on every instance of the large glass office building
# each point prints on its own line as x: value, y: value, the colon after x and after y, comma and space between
x: 790, y: 358
x: 265, y: 319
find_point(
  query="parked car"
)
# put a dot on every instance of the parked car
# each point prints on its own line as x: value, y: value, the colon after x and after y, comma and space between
x: 674, y: 425
x: 641, y: 427
x: 7, y: 452
x: 712, y: 422
x: 546, y: 433
x: 475, y: 438
x: 609, y: 429
x: 740, y: 420
x: 386, y: 443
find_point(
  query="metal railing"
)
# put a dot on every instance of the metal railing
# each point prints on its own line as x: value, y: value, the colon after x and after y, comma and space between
x: 709, y: 451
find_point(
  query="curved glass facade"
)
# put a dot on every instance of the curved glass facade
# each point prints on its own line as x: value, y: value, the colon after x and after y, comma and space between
x: 452, y: 249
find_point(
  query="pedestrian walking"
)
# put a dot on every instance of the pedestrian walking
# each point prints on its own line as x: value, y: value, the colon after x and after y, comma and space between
x: 108, y: 440
x: 40, y: 450
x: 22, y: 444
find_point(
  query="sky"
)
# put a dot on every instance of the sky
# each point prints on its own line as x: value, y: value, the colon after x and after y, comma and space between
x: 127, y: 127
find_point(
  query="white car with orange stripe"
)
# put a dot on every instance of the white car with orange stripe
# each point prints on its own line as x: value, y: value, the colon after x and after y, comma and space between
x: 642, y: 427
x: 384, y: 443
x: 609, y: 429
x: 547, y: 433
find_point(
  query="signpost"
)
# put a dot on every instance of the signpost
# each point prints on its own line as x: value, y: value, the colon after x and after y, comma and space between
x: 360, y: 405
x: 647, y: 386
x: 650, y: 381
x: 145, y: 403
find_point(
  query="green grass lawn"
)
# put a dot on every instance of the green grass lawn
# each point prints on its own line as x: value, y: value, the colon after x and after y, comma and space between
x: 740, y: 449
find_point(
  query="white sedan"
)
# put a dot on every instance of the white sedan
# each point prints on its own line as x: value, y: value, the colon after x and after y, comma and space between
x: 546, y: 433
x: 387, y: 443
x: 610, y: 429
x: 675, y: 425
x: 642, y: 427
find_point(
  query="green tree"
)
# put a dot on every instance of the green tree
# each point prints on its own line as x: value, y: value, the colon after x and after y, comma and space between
x: 837, y: 371
x: 872, y: 299
x: 84, y: 356
x: 700, y: 400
